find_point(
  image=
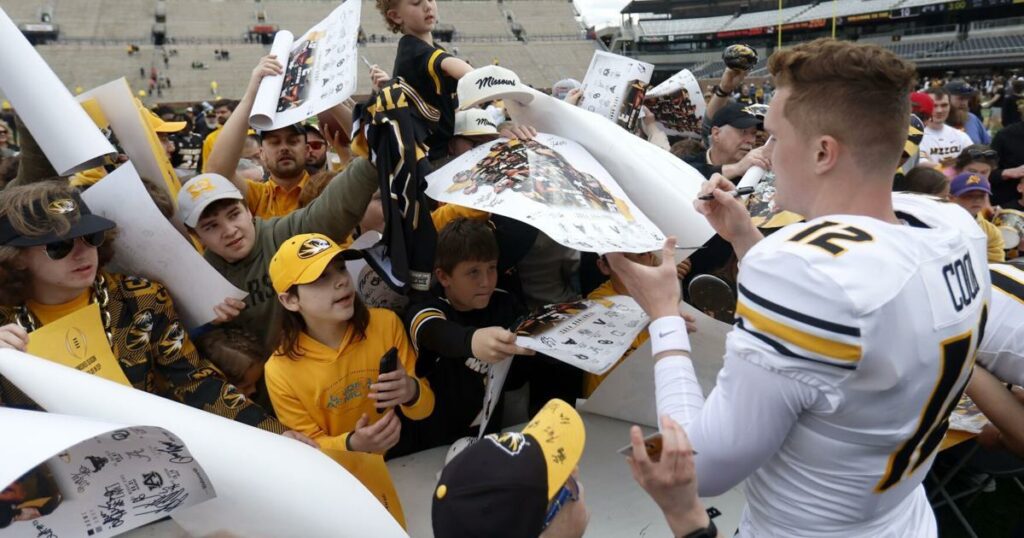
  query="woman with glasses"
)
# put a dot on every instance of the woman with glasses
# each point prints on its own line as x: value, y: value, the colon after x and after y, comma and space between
x: 52, y: 256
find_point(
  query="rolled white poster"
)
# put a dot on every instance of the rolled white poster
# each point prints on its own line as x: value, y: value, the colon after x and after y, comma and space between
x: 267, y: 485
x: 265, y: 106
x: 70, y: 140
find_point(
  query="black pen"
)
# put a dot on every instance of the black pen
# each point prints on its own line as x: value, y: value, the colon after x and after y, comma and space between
x: 742, y: 191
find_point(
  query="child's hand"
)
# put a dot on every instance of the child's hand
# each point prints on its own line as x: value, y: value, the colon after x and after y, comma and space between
x: 522, y: 132
x: 683, y: 268
x: 378, y: 77
x: 228, y: 310
x: 393, y: 388
x: 573, y: 97
x: 495, y: 344
x: 12, y: 336
x: 375, y: 438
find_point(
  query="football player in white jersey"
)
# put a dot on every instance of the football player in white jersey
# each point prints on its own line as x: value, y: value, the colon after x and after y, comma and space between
x: 856, y: 331
x: 1001, y: 360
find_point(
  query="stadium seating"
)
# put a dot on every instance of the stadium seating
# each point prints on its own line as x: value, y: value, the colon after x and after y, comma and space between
x: 683, y: 26
x: 827, y: 10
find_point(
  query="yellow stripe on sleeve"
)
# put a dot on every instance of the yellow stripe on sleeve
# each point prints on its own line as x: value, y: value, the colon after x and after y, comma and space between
x: 816, y: 344
x: 433, y: 72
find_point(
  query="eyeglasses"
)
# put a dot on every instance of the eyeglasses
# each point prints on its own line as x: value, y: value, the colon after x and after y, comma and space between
x: 987, y: 154
x: 58, y: 250
x: 570, y: 492
x: 315, y: 144
x: 3, y: 131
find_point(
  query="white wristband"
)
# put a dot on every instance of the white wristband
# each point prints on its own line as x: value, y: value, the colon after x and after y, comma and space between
x: 668, y: 334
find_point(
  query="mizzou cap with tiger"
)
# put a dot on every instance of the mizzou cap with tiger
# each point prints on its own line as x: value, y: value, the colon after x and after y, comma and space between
x: 303, y: 258
x: 201, y: 191
x: 502, y: 484
x: 83, y: 221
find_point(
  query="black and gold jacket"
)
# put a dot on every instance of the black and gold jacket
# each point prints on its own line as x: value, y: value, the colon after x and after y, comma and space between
x: 156, y: 354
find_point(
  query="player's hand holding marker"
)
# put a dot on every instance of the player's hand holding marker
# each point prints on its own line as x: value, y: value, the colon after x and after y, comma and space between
x: 727, y: 214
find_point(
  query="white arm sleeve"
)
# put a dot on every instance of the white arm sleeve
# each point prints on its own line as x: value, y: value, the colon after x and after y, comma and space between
x: 744, y: 422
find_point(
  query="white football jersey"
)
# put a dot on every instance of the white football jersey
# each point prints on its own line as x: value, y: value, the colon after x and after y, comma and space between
x: 883, y: 320
x: 1002, y: 349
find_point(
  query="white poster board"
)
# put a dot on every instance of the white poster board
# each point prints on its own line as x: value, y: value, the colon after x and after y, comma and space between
x: 267, y: 485
x: 591, y: 335
x: 677, y: 103
x: 319, y: 71
x: 134, y: 134
x: 149, y: 246
x: 614, y: 87
x: 71, y: 476
x: 68, y: 138
x: 661, y: 185
x: 553, y: 184
x: 628, y: 392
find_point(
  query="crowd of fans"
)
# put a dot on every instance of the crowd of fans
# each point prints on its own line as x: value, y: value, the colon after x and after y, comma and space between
x: 275, y: 211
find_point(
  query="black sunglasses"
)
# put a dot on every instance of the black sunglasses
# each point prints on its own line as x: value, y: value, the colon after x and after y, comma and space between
x: 58, y: 250
x: 987, y: 154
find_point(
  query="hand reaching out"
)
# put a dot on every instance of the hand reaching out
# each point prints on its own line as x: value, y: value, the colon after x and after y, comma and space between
x: 495, y: 344
x: 375, y: 438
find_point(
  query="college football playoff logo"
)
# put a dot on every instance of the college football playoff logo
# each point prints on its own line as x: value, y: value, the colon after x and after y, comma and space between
x: 313, y: 246
x: 62, y: 206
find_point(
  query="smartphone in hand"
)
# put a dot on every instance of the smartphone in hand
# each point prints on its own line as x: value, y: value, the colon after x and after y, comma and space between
x: 388, y: 364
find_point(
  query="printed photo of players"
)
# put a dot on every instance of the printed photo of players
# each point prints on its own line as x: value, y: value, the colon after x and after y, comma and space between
x: 295, y: 88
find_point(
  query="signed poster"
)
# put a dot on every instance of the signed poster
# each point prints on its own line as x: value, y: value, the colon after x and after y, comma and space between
x: 589, y: 334
x: 107, y: 484
x: 677, y: 103
x: 614, y: 87
x: 552, y: 184
x: 319, y: 71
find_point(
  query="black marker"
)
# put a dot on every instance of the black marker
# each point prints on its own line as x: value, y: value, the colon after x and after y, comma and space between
x: 742, y: 191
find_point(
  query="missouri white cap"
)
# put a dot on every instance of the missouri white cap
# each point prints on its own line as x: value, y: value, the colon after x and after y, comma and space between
x: 201, y: 191
x: 490, y: 83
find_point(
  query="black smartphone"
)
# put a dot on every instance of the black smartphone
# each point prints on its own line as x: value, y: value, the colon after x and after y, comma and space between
x: 388, y: 363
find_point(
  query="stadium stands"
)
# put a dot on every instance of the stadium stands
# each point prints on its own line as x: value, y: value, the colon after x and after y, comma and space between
x: 826, y: 10
x: 682, y: 26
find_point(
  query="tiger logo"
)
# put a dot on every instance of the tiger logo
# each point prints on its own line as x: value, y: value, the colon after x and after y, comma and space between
x: 512, y: 443
x: 140, y: 331
x: 231, y: 397
x: 198, y: 187
x: 173, y: 340
x: 62, y: 206
x: 313, y: 246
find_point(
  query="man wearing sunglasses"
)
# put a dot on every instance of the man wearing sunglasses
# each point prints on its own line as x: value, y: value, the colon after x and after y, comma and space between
x: 52, y: 254
x: 316, y: 150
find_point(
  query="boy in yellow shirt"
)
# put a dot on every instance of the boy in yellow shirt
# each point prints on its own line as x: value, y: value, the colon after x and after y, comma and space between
x: 324, y: 378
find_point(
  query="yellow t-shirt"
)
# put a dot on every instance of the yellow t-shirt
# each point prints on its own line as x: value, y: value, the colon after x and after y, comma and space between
x: 449, y: 212
x: 996, y: 252
x: 208, y: 143
x: 323, y: 392
x: 48, y: 313
x: 267, y: 199
x: 591, y: 381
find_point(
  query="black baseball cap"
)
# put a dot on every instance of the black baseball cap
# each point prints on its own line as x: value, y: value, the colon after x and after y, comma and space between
x: 83, y: 221
x: 297, y: 127
x: 502, y: 484
x: 735, y: 115
x: 959, y: 87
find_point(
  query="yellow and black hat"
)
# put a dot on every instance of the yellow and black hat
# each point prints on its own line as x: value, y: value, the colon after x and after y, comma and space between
x: 502, y: 484
x: 303, y: 258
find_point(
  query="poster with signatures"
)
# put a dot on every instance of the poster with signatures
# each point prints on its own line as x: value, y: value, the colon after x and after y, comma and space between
x: 677, y: 103
x: 614, y: 87
x: 589, y: 334
x: 319, y: 71
x: 116, y: 479
x: 552, y: 184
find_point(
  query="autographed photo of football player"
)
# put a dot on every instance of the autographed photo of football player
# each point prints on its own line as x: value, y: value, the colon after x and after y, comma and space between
x: 295, y: 88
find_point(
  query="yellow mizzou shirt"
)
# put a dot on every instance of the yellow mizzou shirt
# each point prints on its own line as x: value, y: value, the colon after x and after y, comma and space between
x: 323, y: 392
x: 267, y: 199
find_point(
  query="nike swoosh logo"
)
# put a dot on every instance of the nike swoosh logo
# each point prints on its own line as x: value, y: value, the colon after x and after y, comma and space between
x: 663, y: 335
